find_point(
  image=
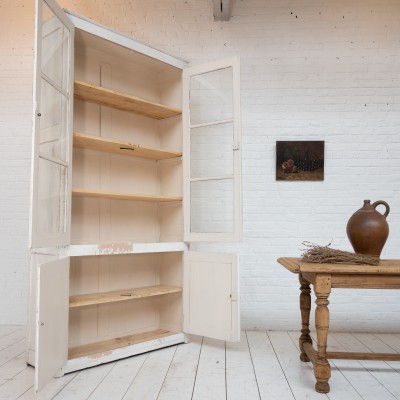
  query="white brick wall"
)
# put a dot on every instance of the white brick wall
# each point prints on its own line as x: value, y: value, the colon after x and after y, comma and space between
x: 16, y: 70
x: 311, y: 70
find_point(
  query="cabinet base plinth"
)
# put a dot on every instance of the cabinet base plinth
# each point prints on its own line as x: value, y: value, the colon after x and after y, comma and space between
x: 114, y: 349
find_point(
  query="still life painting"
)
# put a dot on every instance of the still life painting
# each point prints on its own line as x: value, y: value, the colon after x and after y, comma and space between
x: 300, y: 160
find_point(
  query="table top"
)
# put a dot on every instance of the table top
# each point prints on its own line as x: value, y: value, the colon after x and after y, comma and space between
x: 385, y: 267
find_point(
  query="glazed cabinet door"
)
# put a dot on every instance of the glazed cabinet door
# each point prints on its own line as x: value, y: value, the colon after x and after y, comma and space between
x: 53, y: 95
x: 212, y: 152
x: 52, y: 305
x: 211, y: 295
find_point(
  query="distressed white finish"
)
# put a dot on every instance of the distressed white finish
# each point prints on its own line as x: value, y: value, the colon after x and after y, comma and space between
x: 211, y: 296
x: 51, y: 320
x: 209, y: 92
x: 121, y: 248
x: 92, y: 27
x: 41, y: 175
x: 118, y: 243
x: 123, y: 352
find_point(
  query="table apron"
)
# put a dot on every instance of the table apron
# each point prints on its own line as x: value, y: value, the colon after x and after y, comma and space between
x: 358, y: 281
x: 366, y: 281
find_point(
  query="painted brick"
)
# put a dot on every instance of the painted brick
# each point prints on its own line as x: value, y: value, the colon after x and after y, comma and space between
x: 310, y: 70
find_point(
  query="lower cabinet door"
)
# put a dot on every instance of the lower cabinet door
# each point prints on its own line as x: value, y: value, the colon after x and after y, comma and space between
x: 52, y: 303
x: 211, y: 295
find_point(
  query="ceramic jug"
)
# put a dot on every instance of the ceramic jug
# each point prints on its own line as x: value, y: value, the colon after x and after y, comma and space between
x: 367, y: 229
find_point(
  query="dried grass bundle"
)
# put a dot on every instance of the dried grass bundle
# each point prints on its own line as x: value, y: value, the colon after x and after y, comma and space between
x: 325, y: 255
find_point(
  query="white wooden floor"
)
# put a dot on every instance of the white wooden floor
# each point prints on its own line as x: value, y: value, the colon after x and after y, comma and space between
x: 264, y: 365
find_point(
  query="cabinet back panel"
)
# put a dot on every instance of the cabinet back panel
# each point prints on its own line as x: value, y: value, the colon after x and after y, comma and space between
x: 171, y: 313
x: 92, y: 119
x: 84, y: 275
x: 134, y: 129
x: 128, y: 317
x: 171, y: 268
x: 91, y: 274
x: 171, y: 222
x: 86, y: 169
x: 101, y: 322
x: 114, y: 173
x: 116, y: 272
x: 171, y: 133
x: 134, y: 221
x: 132, y: 175
x: 170, y: 86
x: 133, y: 271
x: 83, y: 326
x: 124, y: 221
x: 86, y: 117
x: 85, y: 226
x: 127, y: 76
x: 170, y: 176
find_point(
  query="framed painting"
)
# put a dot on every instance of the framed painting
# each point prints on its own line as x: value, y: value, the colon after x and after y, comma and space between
x: 300, y: 160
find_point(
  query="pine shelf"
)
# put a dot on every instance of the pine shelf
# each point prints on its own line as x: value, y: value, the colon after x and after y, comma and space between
x: 125, y: 102
x: 121, y: 148
x: 124, y: 196
x: 121, y: 295
x: 105, y: 346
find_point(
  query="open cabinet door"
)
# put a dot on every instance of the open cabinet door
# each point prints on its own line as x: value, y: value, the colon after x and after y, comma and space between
x: 52, y: 306
x: 212, y: 154
x: 53, y: 95
x: 210, y: 293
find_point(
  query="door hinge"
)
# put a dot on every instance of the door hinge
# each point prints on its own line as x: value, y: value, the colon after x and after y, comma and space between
x: 236, y: 146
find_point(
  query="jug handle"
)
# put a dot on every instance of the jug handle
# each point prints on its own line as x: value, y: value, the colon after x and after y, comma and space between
x: 379, y: 202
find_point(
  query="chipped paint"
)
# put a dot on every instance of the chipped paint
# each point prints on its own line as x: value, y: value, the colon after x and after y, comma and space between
x: 100, y: 355
x: 119, y: 248
x: 115, y: 248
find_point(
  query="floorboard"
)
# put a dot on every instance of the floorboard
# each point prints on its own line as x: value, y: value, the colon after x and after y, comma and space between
x: 381, y: 382
x: 343, y: 389
x: 298, y: 374
x: 241, y: 381
x: 118, y: 381
x: 271, y: 379
x: 181, y: 375
x: 148, y: 381
x: 210, y: 379
x: 262, y: 366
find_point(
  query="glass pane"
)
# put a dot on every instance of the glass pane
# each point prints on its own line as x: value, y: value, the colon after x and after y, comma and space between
x: 55, y: 48
x: 212, y: 206
x: 211, y: 151
x: 211, y: 96
x: 52, y: 200
x: 53, y: 122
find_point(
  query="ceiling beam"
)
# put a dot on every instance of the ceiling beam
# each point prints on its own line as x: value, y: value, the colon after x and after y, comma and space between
x: 222, y: 10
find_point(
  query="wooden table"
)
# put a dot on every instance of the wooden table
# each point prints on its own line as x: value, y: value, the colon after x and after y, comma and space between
x: 324, y: 277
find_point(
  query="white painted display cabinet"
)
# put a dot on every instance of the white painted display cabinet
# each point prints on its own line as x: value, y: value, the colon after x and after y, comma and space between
x: 135, y: 156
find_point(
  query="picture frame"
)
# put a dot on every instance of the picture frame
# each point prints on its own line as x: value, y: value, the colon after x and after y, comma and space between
x: 300, y: 160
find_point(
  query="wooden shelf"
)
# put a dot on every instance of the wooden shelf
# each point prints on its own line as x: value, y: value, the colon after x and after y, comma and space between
x: 121, y: 148
x: 106, y: 346
x: 124, y: 196
x: 107, y: 97
x: 121, y: 295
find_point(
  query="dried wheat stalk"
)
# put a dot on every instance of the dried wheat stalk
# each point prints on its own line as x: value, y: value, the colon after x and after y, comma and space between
x: 325, y: 255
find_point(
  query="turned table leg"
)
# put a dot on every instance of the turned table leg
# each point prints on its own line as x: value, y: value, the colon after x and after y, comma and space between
x: 322, y: 369
x: 305, y: 307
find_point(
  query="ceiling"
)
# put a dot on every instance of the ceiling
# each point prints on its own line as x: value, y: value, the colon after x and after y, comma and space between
x: 222, y: 10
